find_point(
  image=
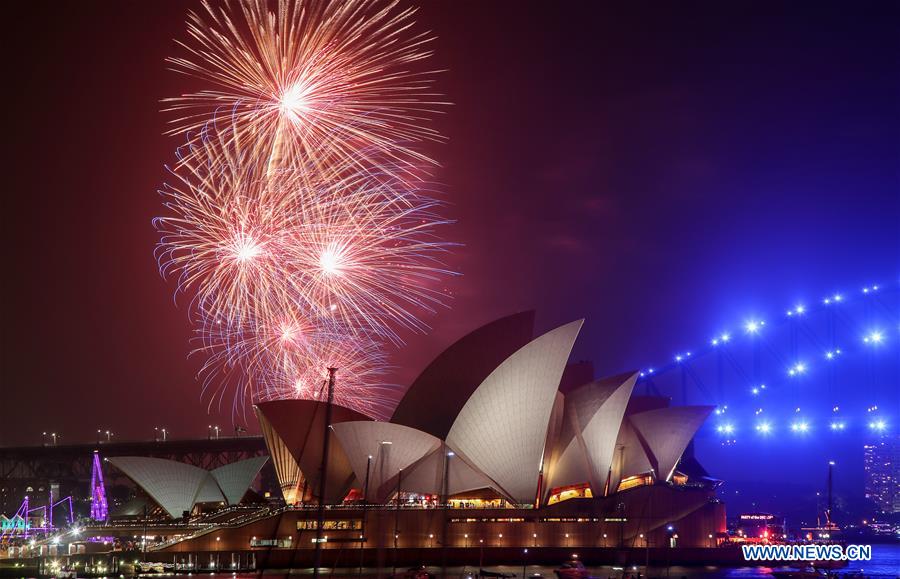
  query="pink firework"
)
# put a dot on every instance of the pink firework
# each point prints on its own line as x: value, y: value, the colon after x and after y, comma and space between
x: 297, y: 219
x: 289, y: 358
x: 362, y: 250
x: 320, y: 82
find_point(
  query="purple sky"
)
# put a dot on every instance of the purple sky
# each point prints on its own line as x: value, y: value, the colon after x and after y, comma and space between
x: 655, y: 168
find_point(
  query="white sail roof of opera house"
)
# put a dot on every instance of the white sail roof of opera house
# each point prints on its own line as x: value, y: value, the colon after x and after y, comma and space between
x: 392, y: 448
x: 584, y: 448
x: 294, y: 433
x: 434, y: 399
x: 666, y: 432
x: 427, y: 475
x: 177, y: 487
x: 235, y: 478
x: 510, y: 432
x: 502, y: 428
x: 379, y: 451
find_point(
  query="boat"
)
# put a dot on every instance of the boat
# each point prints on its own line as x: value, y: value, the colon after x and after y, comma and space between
x: 414, y: 573
x: 572, y: 570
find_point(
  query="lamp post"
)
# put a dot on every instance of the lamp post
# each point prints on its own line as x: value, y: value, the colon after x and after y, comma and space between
x: 323, y: 474
x: 362, y: 537
x: 524, y: 562
x: 445, y: 498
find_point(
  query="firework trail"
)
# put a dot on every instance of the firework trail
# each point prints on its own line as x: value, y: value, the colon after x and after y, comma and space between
x: 297, y: 217
x: 320, y: 82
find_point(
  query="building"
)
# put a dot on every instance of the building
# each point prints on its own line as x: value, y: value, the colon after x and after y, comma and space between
x: 178, y: 487
x: 881, y: 461
x: 486, y: 439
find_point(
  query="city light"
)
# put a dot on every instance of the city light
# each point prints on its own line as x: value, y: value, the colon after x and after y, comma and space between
x: 798, y: 310
x: 797, y: 369
x: 838, y: 425
x: 878, y: 425
x: 725, y: 428
x: 753, y: 326
x: 874, y: 337
x: 764, y: 428
x: 800, y: 427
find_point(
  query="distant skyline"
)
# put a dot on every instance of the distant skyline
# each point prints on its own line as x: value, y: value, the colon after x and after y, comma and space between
x: 661, y: 170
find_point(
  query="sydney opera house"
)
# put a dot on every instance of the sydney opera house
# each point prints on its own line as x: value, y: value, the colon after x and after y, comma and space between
x: 498, y: 443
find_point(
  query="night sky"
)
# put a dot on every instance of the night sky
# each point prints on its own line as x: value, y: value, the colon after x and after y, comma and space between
x: 660, y: 169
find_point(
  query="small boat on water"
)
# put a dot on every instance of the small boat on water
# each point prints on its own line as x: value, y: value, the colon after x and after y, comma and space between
x: 414, y: 573
x: 572, y: 570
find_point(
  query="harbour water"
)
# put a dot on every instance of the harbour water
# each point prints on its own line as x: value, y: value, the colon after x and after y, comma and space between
x: 885, y: 563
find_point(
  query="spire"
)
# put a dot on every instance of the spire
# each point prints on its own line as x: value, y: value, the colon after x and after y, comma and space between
x: 99, y: 507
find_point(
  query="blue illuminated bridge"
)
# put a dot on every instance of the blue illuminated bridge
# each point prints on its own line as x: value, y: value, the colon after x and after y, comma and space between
x: 832, y: 366
x: 795, y: 388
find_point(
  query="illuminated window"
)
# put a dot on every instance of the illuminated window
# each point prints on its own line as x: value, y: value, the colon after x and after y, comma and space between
x: 339, y: 525
x: 581, y: 491
x: 635, y: 481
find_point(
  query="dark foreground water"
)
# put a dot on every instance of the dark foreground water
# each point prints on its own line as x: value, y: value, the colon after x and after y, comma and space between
x: 885, y: 563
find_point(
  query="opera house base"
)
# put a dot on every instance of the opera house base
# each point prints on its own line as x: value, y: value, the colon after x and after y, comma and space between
x: 659, y: 524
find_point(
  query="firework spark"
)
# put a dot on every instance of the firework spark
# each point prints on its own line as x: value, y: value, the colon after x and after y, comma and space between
x: 297, y: 217
x: 289, y: 359
x: 319, y: 82
x: 362, y: 249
